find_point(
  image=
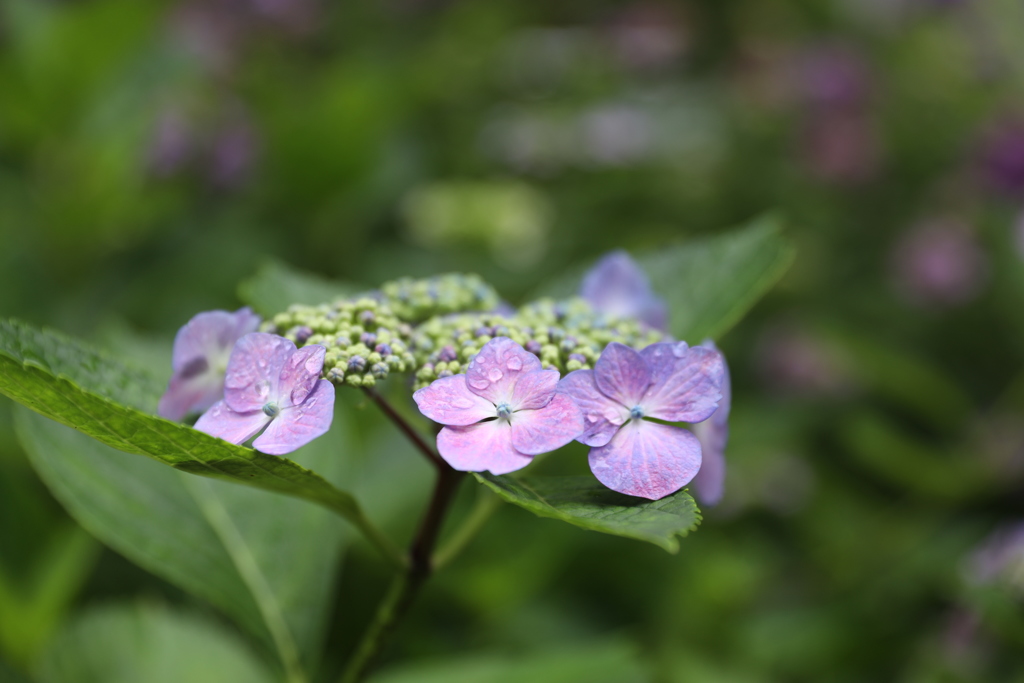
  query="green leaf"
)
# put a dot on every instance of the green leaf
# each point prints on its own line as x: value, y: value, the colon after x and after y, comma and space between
x: 79, y: 387
x: 588, y: 504
x: 268, y: 561
x: 276, y: 286
x: 148, y: 644
x: 709, y: 284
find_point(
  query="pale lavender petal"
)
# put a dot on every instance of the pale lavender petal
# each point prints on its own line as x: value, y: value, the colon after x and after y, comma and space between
x: 190, y: 394
x: 298, y: 425
x: 618, y: 287
x: 211, y: 333
x: 254, y: 371
x: 534, y: 390
x: 647, y: 459
x: 300, y: 373
x: 479, y: 447
x: 494, y: 371
x: 686, y: 384
x: 713, y: 433
x: 224, y: 423
x: 548, y: 428
x: 620, y: 373
x: 601, y: 415
x: 449, y: 401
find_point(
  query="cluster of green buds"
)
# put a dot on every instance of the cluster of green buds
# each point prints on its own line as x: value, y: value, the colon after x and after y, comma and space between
x: 434, y: 327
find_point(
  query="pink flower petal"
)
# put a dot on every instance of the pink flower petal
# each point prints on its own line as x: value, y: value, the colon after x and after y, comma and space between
x: 548, y: 428
x: 254, y: 371
x: 300, y: 374
x: 298, y: 425
x: 618, y: 287
x: 601, y: 415
x: 534, y: 390
x: 687, y: 382
x: 224, y: 423
x: 620, y: 373
x: 647, y: 459
x: 212, y: 333
x: 479, y: 447
x: 494, y: 371
x: 449, y: 401
x: 193, y: 394
x: 713, y: 433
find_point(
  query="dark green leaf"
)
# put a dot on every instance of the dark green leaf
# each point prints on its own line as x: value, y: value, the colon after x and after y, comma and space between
x: 276, y: 286
x: 148, y: 644
x: 586, y: 503
x: 72, y: 384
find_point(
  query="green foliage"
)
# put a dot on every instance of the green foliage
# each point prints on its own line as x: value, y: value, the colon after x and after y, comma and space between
x: 148, y: 643
x: 584, y: 502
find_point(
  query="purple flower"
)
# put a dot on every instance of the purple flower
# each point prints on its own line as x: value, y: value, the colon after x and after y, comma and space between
x: 667, y: 381
x: 618, y: 287
x: 272, y: 384
x: 713, y: 434
x: 502, y: 412
x: 939, y: 263
x: 200, y: 358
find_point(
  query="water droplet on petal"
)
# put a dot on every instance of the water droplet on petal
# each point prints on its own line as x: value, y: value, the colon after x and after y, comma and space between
x: 494, y: 374
x: 591, y: 418
x: 515, y: 364
x: 462, y: 403
x: 479, y: 383
x: 262, y: 388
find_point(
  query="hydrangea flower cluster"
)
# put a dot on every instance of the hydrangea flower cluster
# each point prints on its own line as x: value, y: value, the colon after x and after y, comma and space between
x: 417, y: 300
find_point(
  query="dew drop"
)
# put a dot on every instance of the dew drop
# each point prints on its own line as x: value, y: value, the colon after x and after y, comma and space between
x: 262, y: 389
x: 462, y: 403
x: 479, y: 383
x: 591, y: 418
x: 514, y: 364
x: 494, y: 374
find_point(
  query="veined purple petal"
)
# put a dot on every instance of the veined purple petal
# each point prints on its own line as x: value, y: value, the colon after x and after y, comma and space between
x: 482, y: 446
x: 713, y: 433
x: 647, y: 459
x: 494, y: 371
x: 548, y: 428
x: 300, y: 374
x: 618, y: 287
x: 449, y: 401
x: 224, y: 423
x: 298, y: 425
x: 190, y: 395
x: 686, y: 384
x: 534, y: 390
x: 621, y: 374
x: 601, y: 415
x: 254, y: 371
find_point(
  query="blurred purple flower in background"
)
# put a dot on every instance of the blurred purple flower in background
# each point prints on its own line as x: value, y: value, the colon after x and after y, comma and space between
x: 1000, y: 558
x: 502, y: 412
x: 172, y: 145
x: 832, y: 75
x: 233, y: 153
x: 648, y: 36
x: 1001, y: 154
x: 939, y: 263
x: 665, y: 381
x: 617, y: 287
x: 792, y: 359
x: 713, y: 434
x: 202, y: 349
x: 272, y: 384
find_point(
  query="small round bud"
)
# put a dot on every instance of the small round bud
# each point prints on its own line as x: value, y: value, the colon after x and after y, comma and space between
x: 336, y: 375
x: 447, y: 354
x: 367, y: 317
x: 444, y: 373
x: 368, y: 338
x: 379, y: 370
x: 383, y: 349
x: 356, y: 364
x: 579, y: 358
x: 301, y: 333
x: 534, y: 347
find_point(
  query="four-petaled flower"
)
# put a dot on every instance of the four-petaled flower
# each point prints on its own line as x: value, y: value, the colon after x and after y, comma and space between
x: 502, y: 412
x: 713, y: 433
x: 618, y: 287
x: 201, y: 351
x: 665, y: 381
x: 272, y: 384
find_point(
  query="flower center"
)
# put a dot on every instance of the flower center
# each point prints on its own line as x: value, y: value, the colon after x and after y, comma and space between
x: 270, y: 409
x: 636, y: 413
x: 504, y: 410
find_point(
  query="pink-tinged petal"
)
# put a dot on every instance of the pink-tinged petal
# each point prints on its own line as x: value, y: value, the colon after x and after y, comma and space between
x: 449, y: 401
x: 548, y: 428
x: 620, y: 373
x: 534, y: 390
x: 187, y: 395
x: 211, y: 335
x: 298, y: 425
x: 601, y: 415
x: 713, y: 433
x: 618, y: 287
x: 300, y: 373
x: 254, y: 371
x: 494, y: 371
x: 647, y: 459
x: 687, y: 382
x: 479, y: 447
x: 224, y: 423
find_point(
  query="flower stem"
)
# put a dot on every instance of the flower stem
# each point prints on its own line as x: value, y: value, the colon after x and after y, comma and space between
x: 485, y: 505
x: 425, y: 448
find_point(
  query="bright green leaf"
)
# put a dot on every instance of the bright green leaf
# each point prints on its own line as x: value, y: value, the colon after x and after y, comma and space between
x: 588, y: 504
x: 276, y: 286
x: 148, y: 644
x: 77, y: 386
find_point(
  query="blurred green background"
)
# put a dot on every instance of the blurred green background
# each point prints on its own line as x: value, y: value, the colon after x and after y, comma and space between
x: 154, y: 154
